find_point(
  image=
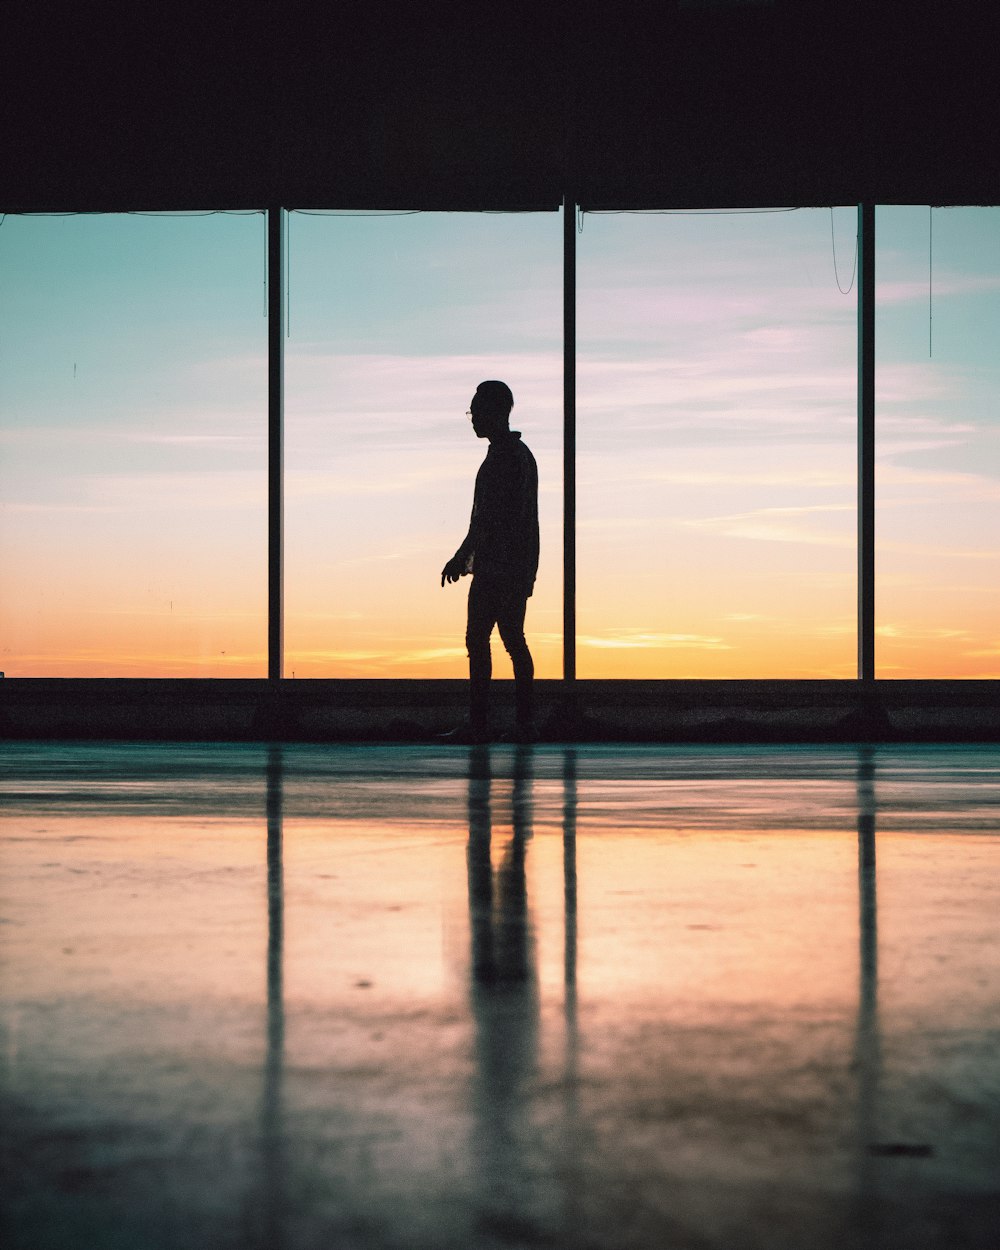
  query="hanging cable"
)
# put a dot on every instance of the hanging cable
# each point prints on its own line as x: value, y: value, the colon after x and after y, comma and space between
x: 266, y: 246
x: 336, y: 212
x: 131, y: 212
x: 854, y: 267
x: 134, y: 212
x: 684, y: 212
x: 930, y: 280
x: 418, y: 212
x: 215, y: 212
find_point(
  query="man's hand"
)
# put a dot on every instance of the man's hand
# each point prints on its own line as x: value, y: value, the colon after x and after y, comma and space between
x: 453, y: 570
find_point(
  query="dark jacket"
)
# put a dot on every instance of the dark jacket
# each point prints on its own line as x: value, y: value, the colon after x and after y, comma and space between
x: 502, y: 543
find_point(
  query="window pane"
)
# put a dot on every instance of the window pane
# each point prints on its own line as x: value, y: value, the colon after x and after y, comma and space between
x: 133, y: 380
x: 717, y: 445
x: 394, y: 321
x: 937, y: 344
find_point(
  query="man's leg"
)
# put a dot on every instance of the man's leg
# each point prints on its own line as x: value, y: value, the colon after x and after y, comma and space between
x: 510, y: 620
x: 482, y: 617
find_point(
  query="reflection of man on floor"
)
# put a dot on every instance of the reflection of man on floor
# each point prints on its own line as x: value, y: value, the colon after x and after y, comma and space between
x: 505, y: 1141
x: 501, y: 552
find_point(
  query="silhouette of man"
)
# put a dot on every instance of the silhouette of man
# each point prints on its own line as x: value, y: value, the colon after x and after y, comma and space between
x: 501, y: 552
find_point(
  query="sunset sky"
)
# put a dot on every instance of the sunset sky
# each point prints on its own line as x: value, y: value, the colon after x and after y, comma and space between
x: 716, y: 470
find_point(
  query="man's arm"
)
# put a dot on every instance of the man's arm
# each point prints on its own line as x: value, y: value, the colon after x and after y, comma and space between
x: 461, y: 562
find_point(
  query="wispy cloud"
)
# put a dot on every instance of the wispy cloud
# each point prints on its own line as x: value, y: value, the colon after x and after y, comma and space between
x: 392, y: 398
x: 929, y: 549
x: 190, y: 439
x: 802, y: 477
x: 355, y: 477
x: 919, y: 633
x: 389, y: 658
x: 778, y: 525
x: 41, y: 507
x: 895, y: 485
x: 631, y: 639
x: 101, y: 437
x: 714, y: 385
x: 946, y: 285
x: 187, y: 492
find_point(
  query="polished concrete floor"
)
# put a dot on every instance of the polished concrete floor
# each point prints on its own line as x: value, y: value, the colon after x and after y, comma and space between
x: 499, y: 997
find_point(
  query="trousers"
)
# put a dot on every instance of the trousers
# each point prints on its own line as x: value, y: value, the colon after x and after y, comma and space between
x: 492, y: 603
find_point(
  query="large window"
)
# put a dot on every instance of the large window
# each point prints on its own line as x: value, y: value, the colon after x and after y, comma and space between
x: 134, y: 443
x: 393, y: 322
x: 937, y: 377
x: 717, y: 373
x: 717, y: 439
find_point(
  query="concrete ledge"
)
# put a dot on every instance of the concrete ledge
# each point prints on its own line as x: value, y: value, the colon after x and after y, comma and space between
x: 343, y: 710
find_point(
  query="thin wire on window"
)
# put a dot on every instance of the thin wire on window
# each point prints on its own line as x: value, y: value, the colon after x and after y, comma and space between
x: 215, y: 212
x: 336, y: 212
x: 854, y: 268
x: 414, y: 212
x: 684, y: 212
x: 129, y: 212
x: 722, y: 212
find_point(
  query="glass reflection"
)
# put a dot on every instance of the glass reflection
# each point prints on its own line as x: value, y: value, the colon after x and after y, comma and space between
x: 272, y: 1145
x: 504, y: 992
x: 569, y: 886
x: 867, y: 1042
x: 677, y: 1007
x: 571, y: 1107
x: 502, y: 938
x: 503, y: 986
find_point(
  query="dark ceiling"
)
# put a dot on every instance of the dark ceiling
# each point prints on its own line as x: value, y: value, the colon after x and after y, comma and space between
x: 688, y: 103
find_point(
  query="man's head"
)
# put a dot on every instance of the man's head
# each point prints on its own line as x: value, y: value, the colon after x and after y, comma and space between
x: 490, y: 409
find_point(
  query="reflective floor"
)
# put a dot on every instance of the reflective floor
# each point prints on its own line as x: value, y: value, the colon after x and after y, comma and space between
x: 499, y: 997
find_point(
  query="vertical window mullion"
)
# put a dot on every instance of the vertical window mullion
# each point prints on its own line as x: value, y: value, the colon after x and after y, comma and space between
x: 866, y: 442
x: 275, y: 442
x: 569, y: 442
